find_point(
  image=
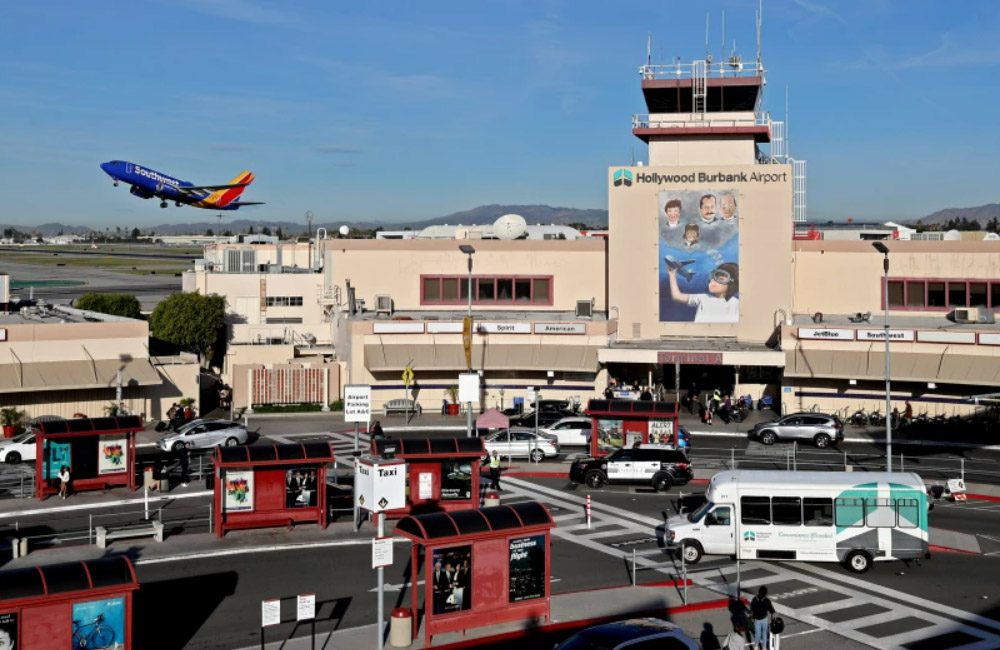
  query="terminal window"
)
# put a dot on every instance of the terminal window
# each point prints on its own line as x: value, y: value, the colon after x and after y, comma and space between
x: 486, y: 290
x: 942, y: 294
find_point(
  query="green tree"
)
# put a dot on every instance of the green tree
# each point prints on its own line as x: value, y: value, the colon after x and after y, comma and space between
x: 208, y: 232
x: 116, y: 304
x: 191, y: 321
x: 135, y: 233
x: 250, y: 231
x: 265, y: 231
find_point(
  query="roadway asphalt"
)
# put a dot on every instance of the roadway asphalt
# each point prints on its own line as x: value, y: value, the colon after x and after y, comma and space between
x: 220, y: 583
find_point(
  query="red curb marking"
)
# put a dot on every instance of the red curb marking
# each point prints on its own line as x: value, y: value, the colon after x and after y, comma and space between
x: 984, y: 497
x: 948, y: 549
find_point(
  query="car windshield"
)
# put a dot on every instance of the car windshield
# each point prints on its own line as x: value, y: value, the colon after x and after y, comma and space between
x: 700, y: 512
x: 27, y: 436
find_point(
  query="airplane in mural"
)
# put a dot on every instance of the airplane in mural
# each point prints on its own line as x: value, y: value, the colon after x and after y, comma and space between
x: 147, y: 183
x: 678, y: 266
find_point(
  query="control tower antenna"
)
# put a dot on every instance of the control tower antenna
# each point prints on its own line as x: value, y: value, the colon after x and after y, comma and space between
x: 760, y: 26
x: 649, y: 49
x: 788, y: 132
x: 723, y: 50
x: 708, y: 21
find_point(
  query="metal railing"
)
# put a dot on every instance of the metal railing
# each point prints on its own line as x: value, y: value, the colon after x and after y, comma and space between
x: 731, y: 67
x: 17, y: 485
x: 640, y: 121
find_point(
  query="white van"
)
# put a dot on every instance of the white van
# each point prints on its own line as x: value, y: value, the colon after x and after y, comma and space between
x: 847, y: 517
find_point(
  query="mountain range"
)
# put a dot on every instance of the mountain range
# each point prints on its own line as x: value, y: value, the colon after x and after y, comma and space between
x: 482, y: 215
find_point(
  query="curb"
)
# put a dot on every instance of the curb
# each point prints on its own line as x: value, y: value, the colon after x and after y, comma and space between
x: 947, y: 549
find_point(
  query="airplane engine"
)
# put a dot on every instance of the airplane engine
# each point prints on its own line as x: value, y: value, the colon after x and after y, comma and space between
x: 141, y: 192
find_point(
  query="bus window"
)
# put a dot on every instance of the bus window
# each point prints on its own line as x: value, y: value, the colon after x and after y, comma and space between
x: 909, y: 513
x: 719, y: 517
x: 755, y: 510
x: 849, y: 511
x: 787, y: 511
x: 880, y: 513
x: 817, y: 512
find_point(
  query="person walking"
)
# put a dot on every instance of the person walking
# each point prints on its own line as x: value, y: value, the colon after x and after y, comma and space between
x: 64, y: 479
x: 377, y: 433
x: 184, y: 457
x: 494, y: 470
x: 761, y: 610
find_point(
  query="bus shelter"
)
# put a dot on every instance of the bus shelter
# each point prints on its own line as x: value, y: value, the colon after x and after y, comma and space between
x: 85, y: 604
x: 480, y: 567
x: 99, y: 453
x: 264, y: 486
x: 617, y: 423
x: 442, y: 473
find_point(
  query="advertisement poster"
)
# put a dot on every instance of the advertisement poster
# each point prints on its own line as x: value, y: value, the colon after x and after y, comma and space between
x: 57, y: 455
x: 699, y: 256
x: 239, y: 491
x: 527, y: 568
x: 661, y: 432
x: 456, y: 480
x: 300, y: 488
x: 609, y: 433
x: 426, y: 489
x: 452, y: 576
x: 8, y: 630
x: 99, y: 624
x: 111, y: 455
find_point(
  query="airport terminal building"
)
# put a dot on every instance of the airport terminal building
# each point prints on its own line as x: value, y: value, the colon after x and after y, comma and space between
x: 699, y: 282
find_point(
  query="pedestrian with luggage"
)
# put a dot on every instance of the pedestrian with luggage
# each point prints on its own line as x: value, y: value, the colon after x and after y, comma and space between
x: 761, y: 610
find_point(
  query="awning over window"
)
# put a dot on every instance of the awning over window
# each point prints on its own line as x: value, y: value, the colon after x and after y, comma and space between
x: 570, y: 358
x: 76, y: 375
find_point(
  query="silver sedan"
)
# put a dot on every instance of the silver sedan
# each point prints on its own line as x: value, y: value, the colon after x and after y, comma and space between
x: 199, y: 434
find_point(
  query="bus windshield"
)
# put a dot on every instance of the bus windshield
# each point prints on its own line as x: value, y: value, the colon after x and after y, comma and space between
x: 700, y: 512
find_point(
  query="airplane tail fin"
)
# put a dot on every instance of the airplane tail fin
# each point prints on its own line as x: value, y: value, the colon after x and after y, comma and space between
x: 222, y: 198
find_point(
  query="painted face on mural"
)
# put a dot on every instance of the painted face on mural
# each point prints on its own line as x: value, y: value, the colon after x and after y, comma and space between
x: 707, y: 208
x: 673, y: 210
x: 728, y: 205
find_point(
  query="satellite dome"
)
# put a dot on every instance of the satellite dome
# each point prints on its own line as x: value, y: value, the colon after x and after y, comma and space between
x: 510, y: 226
x: 952, y: 235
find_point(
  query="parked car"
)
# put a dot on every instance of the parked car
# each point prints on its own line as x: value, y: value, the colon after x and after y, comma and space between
x: 633, y: 634
x: 19, y: 448
x: 571, y: 431
x: 546, y: 418
x: 202, y: 433
x: 818, y: 428
x: 659, y: 466
x: 522, y: 443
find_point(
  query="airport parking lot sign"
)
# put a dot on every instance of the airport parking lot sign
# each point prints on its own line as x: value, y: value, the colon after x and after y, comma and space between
x: 357, y: 403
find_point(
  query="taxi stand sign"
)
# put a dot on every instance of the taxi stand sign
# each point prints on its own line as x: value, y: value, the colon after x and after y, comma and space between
x: 380, y: 484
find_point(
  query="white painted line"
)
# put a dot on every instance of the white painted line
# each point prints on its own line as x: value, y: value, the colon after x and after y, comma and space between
x: 259, y: 549
x: 863, y: 441
x: 145, y: 444
x: 103, y: 504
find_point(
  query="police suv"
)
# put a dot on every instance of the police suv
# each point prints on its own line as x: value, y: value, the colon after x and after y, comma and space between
x: 658, y: 466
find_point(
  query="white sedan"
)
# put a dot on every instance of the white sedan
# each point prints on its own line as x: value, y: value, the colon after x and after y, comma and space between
x: 521, y: 443
x: 571, y: 431
x: 19, y: 448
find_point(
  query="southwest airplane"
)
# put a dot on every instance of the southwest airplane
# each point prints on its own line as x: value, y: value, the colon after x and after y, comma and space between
x: 147, y: 183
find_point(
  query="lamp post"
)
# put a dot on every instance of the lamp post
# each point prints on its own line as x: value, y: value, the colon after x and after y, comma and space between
x: 882, y: 248
x: 470, y: 251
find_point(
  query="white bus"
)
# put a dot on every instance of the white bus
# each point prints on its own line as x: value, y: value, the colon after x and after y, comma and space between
x: 848, y: 517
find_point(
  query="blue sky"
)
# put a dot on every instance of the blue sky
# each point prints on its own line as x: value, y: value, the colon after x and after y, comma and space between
x: 400, y: 110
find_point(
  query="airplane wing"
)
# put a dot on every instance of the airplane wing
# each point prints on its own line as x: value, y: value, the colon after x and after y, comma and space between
x: 208, y: 188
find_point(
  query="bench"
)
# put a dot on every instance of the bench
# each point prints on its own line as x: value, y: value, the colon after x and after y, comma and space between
x: 105, y: 535
x: 401, y: 405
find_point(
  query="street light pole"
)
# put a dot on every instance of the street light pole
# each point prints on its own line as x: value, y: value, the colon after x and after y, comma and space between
x: 882, y: 248
x: 470, y: 251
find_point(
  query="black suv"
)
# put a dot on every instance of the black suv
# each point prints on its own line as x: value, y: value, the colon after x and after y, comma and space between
x: 660, y: 468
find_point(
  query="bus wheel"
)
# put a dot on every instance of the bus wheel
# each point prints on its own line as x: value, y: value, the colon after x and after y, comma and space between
x: 858, y: 561
x: 691, y: 551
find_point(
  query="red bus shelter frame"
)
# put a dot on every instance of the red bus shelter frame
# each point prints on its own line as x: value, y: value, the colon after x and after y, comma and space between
x: 78, y: 429
x: 269, y: 463
x: 42, y: 597
x: 635, y: 416
x: 424, y: 456
x: 488, y: 531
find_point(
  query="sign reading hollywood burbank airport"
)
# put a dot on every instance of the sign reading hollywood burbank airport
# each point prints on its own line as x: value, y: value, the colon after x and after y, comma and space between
x: 379, y: 483
x: 357, y: 403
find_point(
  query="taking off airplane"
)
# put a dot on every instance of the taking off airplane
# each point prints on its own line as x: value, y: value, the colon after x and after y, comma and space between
x: 147, y: 183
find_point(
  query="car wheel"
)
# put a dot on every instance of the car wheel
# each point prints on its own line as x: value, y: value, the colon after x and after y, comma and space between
x: 691, y: 551
x: 768, y: 438
x: 822, y: 440
x: 858, y: 561
x: 232, y: 442
x: 663, y: 482
x: 13, y: 458
x: 178, y: 446
x: 594, y: 478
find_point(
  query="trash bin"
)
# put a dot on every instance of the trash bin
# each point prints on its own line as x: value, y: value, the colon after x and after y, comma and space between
x: 492, y: 499
x: 401, y: 628
x: 149, y: 478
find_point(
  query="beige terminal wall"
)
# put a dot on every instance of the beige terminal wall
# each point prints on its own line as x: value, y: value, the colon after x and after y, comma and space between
x: 845, y: 277
x: 394, y: 267
x: 765, y: 249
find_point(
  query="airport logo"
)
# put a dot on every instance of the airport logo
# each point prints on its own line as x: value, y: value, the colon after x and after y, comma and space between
x: 749, y: 536
x: 622, y: 177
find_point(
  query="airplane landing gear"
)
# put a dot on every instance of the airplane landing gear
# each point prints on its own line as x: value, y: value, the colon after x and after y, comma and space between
x: 115, y: 183
x: 177, y: 203
x: 163, y: 204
